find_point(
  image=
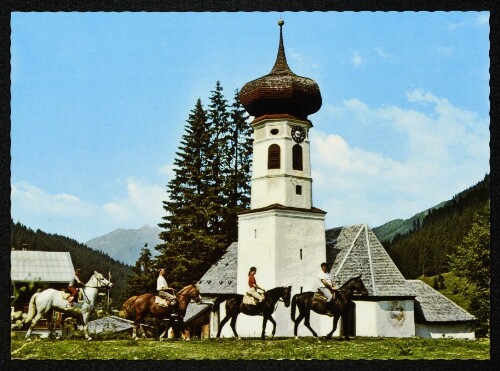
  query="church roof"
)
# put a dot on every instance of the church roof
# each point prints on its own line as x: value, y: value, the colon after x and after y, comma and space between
x: 281, y: 91
x: 354, y: 249
x: 358, y: 251
x: 221, y: 277
x: 432, y: 306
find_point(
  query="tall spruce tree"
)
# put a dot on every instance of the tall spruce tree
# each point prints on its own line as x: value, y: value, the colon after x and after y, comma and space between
x: 211, y: 186
x: 237, y: 187
x: 219, y: 167
x: 189, y: 243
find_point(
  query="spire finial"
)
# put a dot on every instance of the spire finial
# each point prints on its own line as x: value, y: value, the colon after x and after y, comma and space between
x: 280, y: 65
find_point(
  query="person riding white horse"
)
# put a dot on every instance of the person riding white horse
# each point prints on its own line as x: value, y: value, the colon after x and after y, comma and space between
x: 46, y: 302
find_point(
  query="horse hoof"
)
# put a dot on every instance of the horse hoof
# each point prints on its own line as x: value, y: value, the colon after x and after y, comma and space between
x: 187, y: 339
x: 296, y: 338
x: 28, y: 340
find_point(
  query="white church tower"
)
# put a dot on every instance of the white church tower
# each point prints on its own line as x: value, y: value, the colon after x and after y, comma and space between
x: 282, y: 234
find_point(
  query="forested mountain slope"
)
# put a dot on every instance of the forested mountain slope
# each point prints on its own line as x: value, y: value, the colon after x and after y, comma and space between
x: 425, y: 249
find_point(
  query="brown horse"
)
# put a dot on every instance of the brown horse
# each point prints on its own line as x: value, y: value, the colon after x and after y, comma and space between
x: 339, y: 307
x: 138, y: 307
x: 235, y: 306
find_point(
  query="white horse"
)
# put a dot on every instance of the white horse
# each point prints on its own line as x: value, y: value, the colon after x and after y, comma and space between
x: 50, y: 300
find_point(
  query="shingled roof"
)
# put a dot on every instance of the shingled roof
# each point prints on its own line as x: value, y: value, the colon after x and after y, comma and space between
x: 43, y: 266
x: 221, y: 277
x: 358, y: 251
x: 432, y: 306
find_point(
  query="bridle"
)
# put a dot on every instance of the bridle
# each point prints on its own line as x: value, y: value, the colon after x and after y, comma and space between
x: 102, y: 285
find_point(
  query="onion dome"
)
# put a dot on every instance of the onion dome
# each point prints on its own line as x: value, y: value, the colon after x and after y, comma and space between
x: 281, y: 91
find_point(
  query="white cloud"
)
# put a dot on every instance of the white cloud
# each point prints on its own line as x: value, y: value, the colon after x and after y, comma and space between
x: 438, y: 154
x: 380, y: 52
x: 445, y: 50
x: 357, y: 60
x: 69, y: 216
x: 483, y: 19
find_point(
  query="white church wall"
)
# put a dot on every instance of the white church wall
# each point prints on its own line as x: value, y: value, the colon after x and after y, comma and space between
x: 394, y: 318
x: 444, y: 330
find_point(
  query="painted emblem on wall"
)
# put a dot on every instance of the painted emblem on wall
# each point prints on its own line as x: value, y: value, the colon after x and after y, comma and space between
x: 396, y: 313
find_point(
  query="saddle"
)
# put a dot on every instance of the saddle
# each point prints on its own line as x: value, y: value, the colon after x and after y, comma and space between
x: 162, y: 302
x: 65, y: 296
x: 249, y: 299
x: 318, y: 296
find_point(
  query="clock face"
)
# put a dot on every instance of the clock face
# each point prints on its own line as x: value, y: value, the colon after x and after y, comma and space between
x: 298, y: 134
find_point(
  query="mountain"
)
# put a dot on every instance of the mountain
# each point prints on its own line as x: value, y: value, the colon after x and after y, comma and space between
x: 125, y: 244
x: 387, y: 231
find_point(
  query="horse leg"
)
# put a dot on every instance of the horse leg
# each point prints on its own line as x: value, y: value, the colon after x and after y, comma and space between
x: 270, y: 318
x: 233, y: 326
x: 33, y: 324
x: 50, y: 323
x: 264, y: 323
x: 165, y: 332
x: 86, y: 316
x: 307, y: 315
x: 296, y: 324
x: 224, y: 321
x: 335, y: 321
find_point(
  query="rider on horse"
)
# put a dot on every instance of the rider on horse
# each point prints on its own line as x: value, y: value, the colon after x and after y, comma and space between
x: 327, y: 288
x: 252, y: 283
x: 162, y: 287
x: 74, y: 286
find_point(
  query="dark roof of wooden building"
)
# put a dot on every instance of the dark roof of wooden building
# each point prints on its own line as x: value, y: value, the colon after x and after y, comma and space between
x: 432, y: 306
x: 221, y: 277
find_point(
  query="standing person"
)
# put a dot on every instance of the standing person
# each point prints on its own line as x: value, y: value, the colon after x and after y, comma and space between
x: 75, y: 285
x: 252, y: 283
x: 327, y: 287
x: 162, y: 287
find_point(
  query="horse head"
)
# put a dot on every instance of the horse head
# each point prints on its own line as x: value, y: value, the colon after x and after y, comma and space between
x: 101, y: 281
x: 287, y: 293
x: 357, y: 285
x: 194, y: 293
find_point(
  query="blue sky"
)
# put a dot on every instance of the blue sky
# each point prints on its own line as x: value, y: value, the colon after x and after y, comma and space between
x: 99, y: 103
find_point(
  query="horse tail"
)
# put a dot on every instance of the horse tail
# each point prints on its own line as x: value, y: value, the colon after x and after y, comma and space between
x: 127, y: 310
x: 217, y: 302
x: 31, y: 309
x: 294, y: 304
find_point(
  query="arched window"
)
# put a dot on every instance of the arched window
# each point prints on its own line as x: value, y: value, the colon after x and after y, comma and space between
x: 297, y: 157
x: 273, y: 157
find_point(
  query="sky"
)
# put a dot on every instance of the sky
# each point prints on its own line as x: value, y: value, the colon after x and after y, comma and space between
x: 100, y: 101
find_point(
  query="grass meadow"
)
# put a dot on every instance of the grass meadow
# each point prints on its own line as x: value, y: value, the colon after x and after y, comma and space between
x: 252, y: 349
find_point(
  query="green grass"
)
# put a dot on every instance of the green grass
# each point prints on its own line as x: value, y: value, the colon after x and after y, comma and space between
x: 247, y: 349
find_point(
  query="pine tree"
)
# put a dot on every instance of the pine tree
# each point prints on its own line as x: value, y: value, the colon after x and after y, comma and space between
x: 237, y: 187
x: 189, y: 241
x: 471, y: 260
x: 219, y: 166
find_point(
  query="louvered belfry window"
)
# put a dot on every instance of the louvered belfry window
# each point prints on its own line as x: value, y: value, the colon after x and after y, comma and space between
x: 273, y: 157
x: 297, y: 157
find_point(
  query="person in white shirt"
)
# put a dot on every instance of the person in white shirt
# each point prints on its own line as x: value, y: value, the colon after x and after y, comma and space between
x: 327, y: 285
x: 162, y: 287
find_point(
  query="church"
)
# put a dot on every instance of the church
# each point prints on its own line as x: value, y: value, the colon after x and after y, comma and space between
x: 283, y: 235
